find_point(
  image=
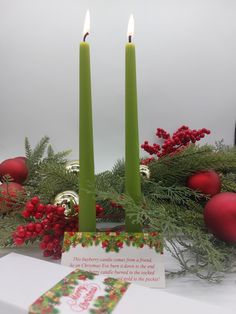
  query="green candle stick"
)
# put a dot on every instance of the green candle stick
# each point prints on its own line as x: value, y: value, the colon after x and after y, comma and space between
x: 87, y: 212
x: 132, y: 172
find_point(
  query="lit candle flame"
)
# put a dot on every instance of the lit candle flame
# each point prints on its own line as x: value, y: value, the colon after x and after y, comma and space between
x: 130, y: 30
x: 86, y: 24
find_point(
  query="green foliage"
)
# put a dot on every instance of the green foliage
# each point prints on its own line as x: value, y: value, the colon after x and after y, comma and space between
x: 175, y: 169
x: 112, y: 180
x: 47, y: 174
x: 168, y: 206
x: 53, y: 179
x: 228, y: 182
x: 8, y: 225
x: 185, y: 236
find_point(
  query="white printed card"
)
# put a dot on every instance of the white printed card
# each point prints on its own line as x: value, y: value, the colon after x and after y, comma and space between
x: 132, y: 257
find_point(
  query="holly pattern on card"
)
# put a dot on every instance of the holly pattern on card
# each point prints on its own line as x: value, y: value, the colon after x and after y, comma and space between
x: 81, y: 292
x: 113, y: 241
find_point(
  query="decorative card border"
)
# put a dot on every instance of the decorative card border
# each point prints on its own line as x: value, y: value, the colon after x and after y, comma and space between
x: 113, y: 241
x: 78, y: 288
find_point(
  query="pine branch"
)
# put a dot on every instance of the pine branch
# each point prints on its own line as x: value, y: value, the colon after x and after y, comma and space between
x: 39, y: 151
x: 59, y: 157
x: 179, y: 195
x: 175, y: 169
x: 185, y: 235
x: 28, y: 150
x: 228, y: 182
x: 50, y: 152
x: 167, y: 206
x: 55, y: 179
x: 34, y: 157
x: 8, y: 224
x: 187, y: 240
x: 45, y: 169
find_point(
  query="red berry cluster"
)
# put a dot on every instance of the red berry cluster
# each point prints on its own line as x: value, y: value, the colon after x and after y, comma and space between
x: 99, y: 211
x: 171, y: 144
x: 48, y: 223
x: 161, y: 133
x: 146, y: 161
x: 151, y: 149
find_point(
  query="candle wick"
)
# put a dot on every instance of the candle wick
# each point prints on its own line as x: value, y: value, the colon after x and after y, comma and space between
x: 130, y: 38
x: 85, y: 35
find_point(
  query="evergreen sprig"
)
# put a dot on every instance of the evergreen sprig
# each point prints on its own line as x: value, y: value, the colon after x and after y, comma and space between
x: 175, y: 169
x: 55, y: 179
x: 114, y: 179
x: 185, y: 237
x: 8, y: 225
x: 168, y: 206
x: 43, y: 163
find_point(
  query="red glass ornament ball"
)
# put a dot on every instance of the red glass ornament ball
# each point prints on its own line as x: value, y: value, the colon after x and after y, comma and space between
x: 16, y: 168
x: 206, y: 182
x: 220, y: 216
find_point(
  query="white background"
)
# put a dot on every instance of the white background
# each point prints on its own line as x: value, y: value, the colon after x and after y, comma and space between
x: 186, y: 52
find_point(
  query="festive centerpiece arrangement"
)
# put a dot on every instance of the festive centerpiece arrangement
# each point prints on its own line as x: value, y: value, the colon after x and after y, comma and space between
x: 182, y: 196
x: 188, y: 195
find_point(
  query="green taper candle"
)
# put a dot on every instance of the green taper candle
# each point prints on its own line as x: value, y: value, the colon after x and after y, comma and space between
x: 87, y: 210
x: 132, y: 172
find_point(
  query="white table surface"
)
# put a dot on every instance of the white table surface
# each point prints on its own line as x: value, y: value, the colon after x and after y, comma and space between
x: 223, y: 294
